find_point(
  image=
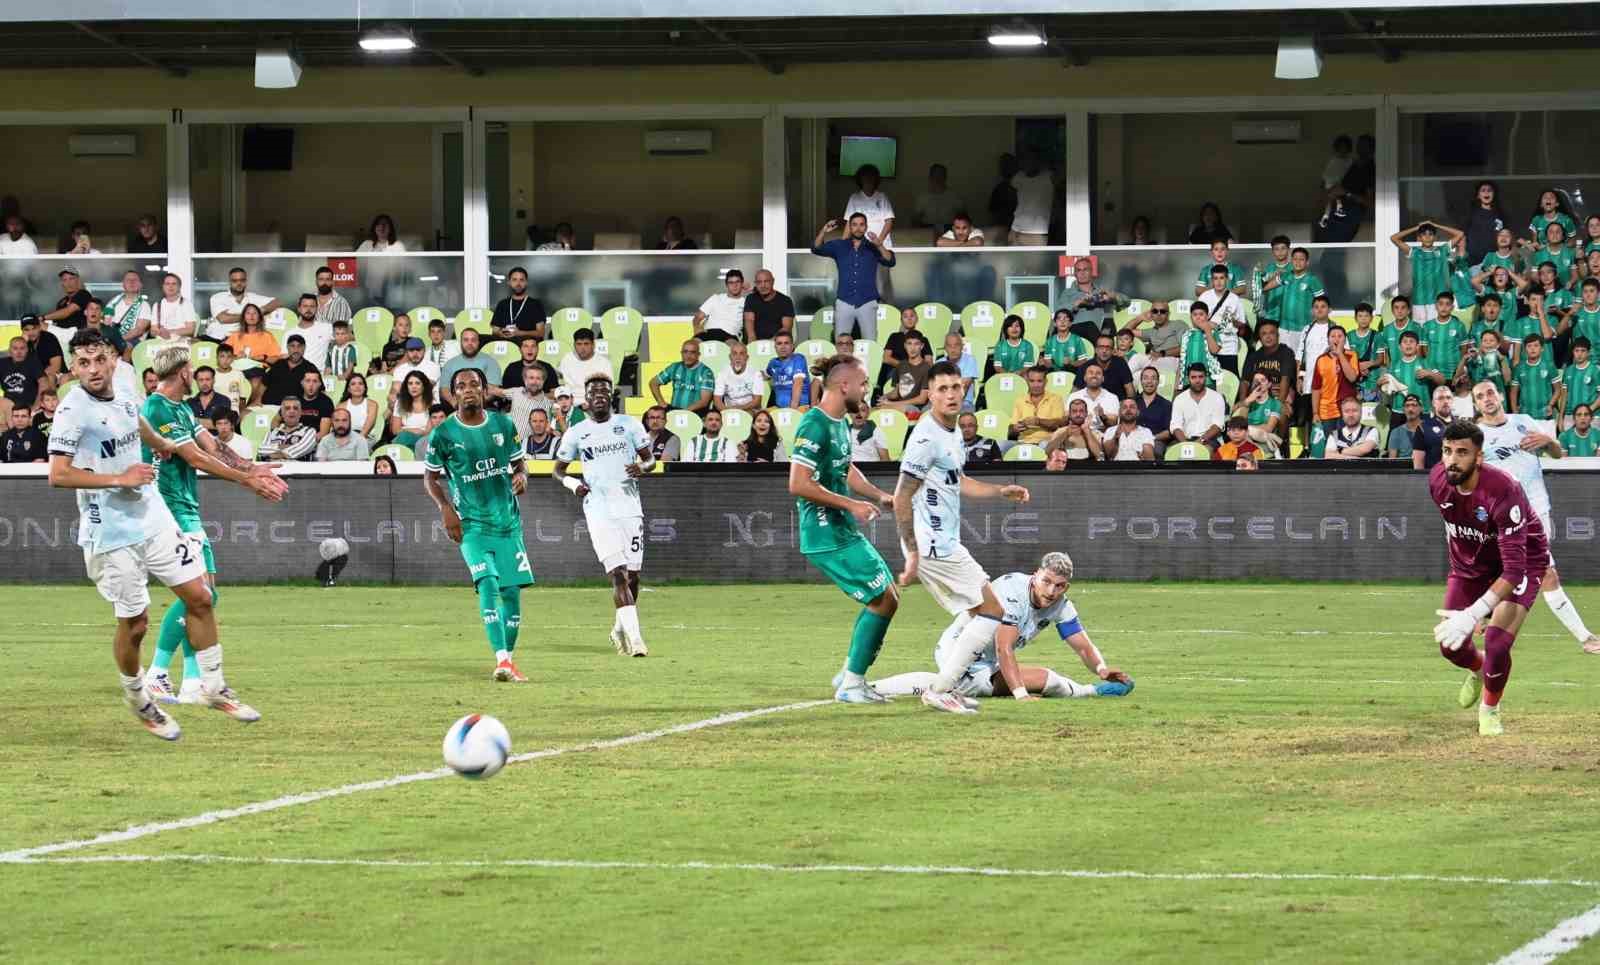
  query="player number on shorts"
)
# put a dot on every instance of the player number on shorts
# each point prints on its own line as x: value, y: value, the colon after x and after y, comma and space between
x: 185, y: 551
x: 522, y: 562
x: 638, y: 545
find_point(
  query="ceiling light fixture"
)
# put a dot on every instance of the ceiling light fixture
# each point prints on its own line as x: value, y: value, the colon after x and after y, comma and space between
x: 1016, y: 34
x: 277, y: 68
x: 1299, y: 58
x: 388, y: 40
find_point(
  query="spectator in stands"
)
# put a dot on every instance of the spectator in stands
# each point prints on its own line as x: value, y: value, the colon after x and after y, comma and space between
x: 408, y: 418
x: 979, y: 449
x: 961, y: 233
x: 1337, y: 165
x: 937, y: 207
x: 1013, y: 353
x: 1003, y: 198
x: 1236, y: 442
x: 227, y: 308
x: 894, y: 347
x: 721, y: 317
x: 44, y: 348
x: 511, y: 378
x: 1064, y: 349
x: 227, y: 429
x: 873, y: 203
x: 711, y: 445
x: 1155, y: 411
x: 1505, y: 255
x: 342, y: 353
x: 316, y: 334
x: 129, y: 310
x: 382, y: 238
x: 384, y: 466
x: 1334, y: 376
x: 16, y: 242
x: 566, y: 415
x: 662, y: 442
x: 1235, y: 277
x: 693, y: 383
x: 1263, y: 414
x: 78, y: 240
x: 739, y: 386
x: 788, y: 373
x: 437, y: 414
x: 1295, y: 292
x: 172, y: 315
x: 1313, y: 343
x: 763, y: 444
x: 857, y: 260
x: 1091, y: 305
x: 908, y: 388
x: 441, y: 350
x: 1199, y: 412
x: 21, y: 442
x: 1056, y: 461
x: 1100, y: 403
x: 68, y: 312
x: 331, y: 306
x: 364, y: 411
x: 1035, y: 189
x: 566, y: 239
x: 580, y: 364
x: 1163, y: 339
x: 44, y: 412
x: 519, y: 315
x: 416, y: 360
x: 1225, y: 309
x: 1117, y: 376
x: 1364, y: 342
x: 1139, y: 232
x: 284, y: 376
x: 471, y: 357
x: 316, y: 409
x: 1430, y: 263
x: 1402, y: 377
x: 207, y: 402
x: 955, y: 352
x: 1354, y: 197
x: 1400, y: 442
x: 767, y: 311
x: 1580, y: 439
x: 1126, y: 440
x: 1350, y: 439
x: 150, y: 382
x: 539, y: 441
x: 400, y: 332
x: 1037, y: 414
x: 1078, y: 438
x: 291, y: 440
x: 1211, y: 227
x: 1487, y: 363
x: 1580, y: 381
x: 1535, y: 381
x: 147, y: 237
x: 529, y: 397
x: 252, y: 341
x: 673, y: 237
x: 342, y: 443
x: 1200, y: 343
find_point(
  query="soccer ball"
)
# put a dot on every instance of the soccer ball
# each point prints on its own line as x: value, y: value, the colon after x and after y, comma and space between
x: 476, y: 746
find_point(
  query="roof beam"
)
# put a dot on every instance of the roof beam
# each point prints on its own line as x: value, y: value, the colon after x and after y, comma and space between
x: 90, y: 32
x: 748, y: 54
x: 1388, y: 54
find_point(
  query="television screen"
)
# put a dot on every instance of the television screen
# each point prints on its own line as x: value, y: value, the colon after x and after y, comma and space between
x: 267, y: 149
x: 877, y: 151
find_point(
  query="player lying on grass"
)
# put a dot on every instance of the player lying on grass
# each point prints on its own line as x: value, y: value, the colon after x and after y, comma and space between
x: 1032, y: 601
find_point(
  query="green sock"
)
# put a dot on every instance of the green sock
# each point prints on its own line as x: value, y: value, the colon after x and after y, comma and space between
x: 865, y: 641
x: 175, y: 634
x: 511, y: 615
x: 489, y: 607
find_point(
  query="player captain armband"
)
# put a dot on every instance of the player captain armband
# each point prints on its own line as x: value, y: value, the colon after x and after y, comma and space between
x: 1069, y: 628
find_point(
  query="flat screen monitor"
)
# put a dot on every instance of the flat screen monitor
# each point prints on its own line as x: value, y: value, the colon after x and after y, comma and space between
x: 877, y: 151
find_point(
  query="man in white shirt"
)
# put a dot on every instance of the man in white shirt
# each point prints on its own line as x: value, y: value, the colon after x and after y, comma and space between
x: 529, y: 396
x: 228, y: 435
x: 1102, y: 402
x: 1036, y: 188
x: 938, y: 206
x: 317, y: 335
x: 331, y: 306
x: 1198, y: 414
x: 15, y: 242
x: 227, y: 306
x: 1128, y: 441
x: 873, y: 204
x: 1226, y: 311
x: 710, y: 445
x: 416, y: 361
x: 866, y: 440
x: 722, y: 315
x: 578, y: 365
x: 962, y: 234
x: 739, y: 386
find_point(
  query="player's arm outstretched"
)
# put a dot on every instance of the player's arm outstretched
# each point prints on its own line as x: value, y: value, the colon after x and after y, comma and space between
x: 1077, y: 638
x: 447, y: 512
x: 204, y: 453
x: 905, y: 524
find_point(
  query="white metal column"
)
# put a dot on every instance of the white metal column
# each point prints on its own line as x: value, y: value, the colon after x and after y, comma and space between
x: 1386, y: 216
x: 475, y: 240
x: 774, y: 200
x: 180, y: 206
x: 1079, y: 213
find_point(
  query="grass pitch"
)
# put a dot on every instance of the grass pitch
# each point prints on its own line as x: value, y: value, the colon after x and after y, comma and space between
x: 1275, y: 731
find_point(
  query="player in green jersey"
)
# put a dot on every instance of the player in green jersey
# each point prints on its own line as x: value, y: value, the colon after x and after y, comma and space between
x: 478, y: 453
x: 822, y: 479
x: 172, y: 419
x: 1581, y: 439
x: 1430, y: 264
x: 1534, y: 381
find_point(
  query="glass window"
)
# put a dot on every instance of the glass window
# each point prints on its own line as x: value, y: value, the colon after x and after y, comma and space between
x: 89, y: 181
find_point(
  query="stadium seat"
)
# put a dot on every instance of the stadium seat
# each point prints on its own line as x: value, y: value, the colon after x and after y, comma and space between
x: 423, y: 314
x: 684, y: 424
x: 993, y: 424
x: 335, y: 390
x: 1167, y: 386
x: 1180, y: 309
x: 735, y: 425
x: 820, y: 326
x: 934, y: 320
x: 1188, y: 452
x: 786, y: 421
x: 1228, y: 387
x: 602, y: 348
x: 894, y: 425
x: 64, y: 387
x: 372, y: 327
x: 202, y: 353
x: 888, y: 319
x: 1134, y: 308
x: 565, y: 321
x: 551, y: 351
x: 623, y: 326
x: 980, y: 323
x: 477, y: 319
x: 378, y: 387
x: 503, y: 352
x: 1060, y: 383
x: 1002, y: 390
x: 257, y: 241
x: 666, y: 339
x: 714, y: 355
x: 1024, y: 452
x: 647, y: 372
x: 761, y: 352
x: 636, y: 405
x: 142, y: 352
x: 814, y: 350
x: 1035, y: 321
x: 396, y: 452
x: 871, y: 355
x: 257, y: 423
x: 363, y: 358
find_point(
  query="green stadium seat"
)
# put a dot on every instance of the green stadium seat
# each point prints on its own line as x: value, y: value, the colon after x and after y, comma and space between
x: 1167, y: 384
x: 1035, y: 320
x: 871, y: 355
x: 980, y: 323
x: 894, y: 425
x: 378, y: 387
x: 1024, y: 452
x: 257, y: 422
x: 624, y: 327
x: 396, y: 452
x: 993, y: 424
x: 1134, y: 308
x: 683, y: 424
x: 335, y: 390
x: 934, y: 319
x: 1188, y: 452
x: 1002, y: 390
x: 787, y: 422
x: 761, y: 352
x: 551, y: 351
x: 888, y: 318
x: 736, y: 425
x: 565, y: 321
x: 1228, y: 387
x: 372, y: 327
x: 141, y: 353
x: 202, y: 353
x: 714, y: 355
x: 477, y: 319
x: 1060, y: 383
x: 602, y: 348
x: 820, y: 326
x: 814, y: 350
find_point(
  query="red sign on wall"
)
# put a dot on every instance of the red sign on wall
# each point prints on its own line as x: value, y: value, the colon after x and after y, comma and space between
x: 1068, y: 262
x: 344, y: 272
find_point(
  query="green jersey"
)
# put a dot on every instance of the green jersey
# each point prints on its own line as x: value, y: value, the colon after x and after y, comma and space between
x: 1236, y: 277
x: 1298, y: 293
x: 1406, y: 372
x: 1540, y: 224
x: 1482, y: 325
x: 1195, y: 350
x: 1430, y: 273
x: 1560, y: 257
x: 688, y: 383
x: 1558, y: 301
x: 1495, y: 259
x: 1389, y: 340
x: 1488, y: 368
x: 176, y: 480
x: 1066, y: 352
x: 1445, y: 337
x: 1260, y: 412
x: 1366, y: 349
x: 1536, y: 385
x: 1587, y: 444
x: 1461, y: 283
x: 1272, y: 301
x: 479, y: 462
x: 1587, y: 324
x: 822, y: 445
x: 1582, y: 385
x: 1013, y: 358
x: 1517, y: 330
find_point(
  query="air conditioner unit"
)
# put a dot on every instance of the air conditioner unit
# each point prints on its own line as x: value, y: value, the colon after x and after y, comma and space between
x: 677, y: 143
x: 103, y: 145
x: 1266, y: 132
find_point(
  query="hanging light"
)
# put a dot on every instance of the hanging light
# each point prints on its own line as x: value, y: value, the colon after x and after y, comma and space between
x: 1016, y: 34
x: 388, y: 40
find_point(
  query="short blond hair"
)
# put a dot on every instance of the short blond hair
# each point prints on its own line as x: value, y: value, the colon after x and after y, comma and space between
x: 1058, y: 563
x: 168, y: 361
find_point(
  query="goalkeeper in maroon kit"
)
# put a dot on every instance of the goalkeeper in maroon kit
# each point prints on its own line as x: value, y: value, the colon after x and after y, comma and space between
x: 1498, y: 556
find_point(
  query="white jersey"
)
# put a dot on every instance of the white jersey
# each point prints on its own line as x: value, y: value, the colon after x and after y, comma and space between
x: 102, y: 436
x: 607, y: 449
x: 1502, y: 448
x: 1016, y: 598
x: 936, y: 456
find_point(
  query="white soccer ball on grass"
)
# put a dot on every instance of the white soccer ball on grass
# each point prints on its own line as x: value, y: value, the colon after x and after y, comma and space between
x: 476, y: 746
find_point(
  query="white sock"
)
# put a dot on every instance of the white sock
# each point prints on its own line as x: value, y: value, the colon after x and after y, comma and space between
x: 974, y: 640
x: 853, y: 680
x: 210, y: 661
x: 134, y: 687
x: 906, y: 684
x: 158, y: 672
x: 616, y: 621
x: 628, y: 617
x: 1056, y: 685
x: 1561, y: 606
x: 502, y: 655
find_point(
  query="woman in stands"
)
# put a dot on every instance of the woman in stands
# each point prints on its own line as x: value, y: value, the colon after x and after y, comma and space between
x: 1590, y: 242
x: 1552, y: 209
x: 363, y: 411
x: 172, y: 316
x: 383, y: 466
x: 1014, y: 354
x: 1485, y: 222
x: 1211, y: 227
x: 252, y: 340
x: 1139, y: 233
x: 382, y: 237
x: 409, y: 420
x: 763, y: 444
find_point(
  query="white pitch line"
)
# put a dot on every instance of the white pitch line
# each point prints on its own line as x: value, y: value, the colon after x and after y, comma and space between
x: 841, y: 869
x: 1556, y: 942
x: 310, y: 797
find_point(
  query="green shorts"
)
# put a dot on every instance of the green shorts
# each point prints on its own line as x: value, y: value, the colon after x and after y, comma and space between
x: 191, y: 524
x: 500, y: 556
x: 856, y: 568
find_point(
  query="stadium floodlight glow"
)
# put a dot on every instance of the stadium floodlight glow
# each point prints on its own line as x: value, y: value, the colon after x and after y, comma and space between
x: 388, y: 40
x: 1299, y: 58
x: 1016, y: 34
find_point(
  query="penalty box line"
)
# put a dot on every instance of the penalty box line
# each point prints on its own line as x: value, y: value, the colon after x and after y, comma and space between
x: 135, y: 832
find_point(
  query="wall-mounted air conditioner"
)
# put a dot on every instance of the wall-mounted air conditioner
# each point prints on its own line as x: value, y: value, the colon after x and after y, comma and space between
x: 1266, y: 132
x: 103, y: 145
x: 677, y: 143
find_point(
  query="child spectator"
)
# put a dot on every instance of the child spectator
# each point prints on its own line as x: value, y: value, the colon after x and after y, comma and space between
x: 1014, y: 353
x: 1219, y: 259
x: 1535, y: 381
x: 1580, y: 381
x: 342, y: 354
x: 1580, y: 440
x: 1239, y: 443
x: 1200, y: 344
x: 1430, y: 263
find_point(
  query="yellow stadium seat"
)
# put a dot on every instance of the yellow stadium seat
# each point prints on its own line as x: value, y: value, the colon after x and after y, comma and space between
x: 1024, y: 452
x: 1035, y: 320
x: 993, y: 424
x: 666, y: 339
x: 566, y: 321
x: 624, y: 327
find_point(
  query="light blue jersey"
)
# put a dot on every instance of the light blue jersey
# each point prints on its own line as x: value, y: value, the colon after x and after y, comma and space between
x: 1016, y: 598
x: 1502, y: 448
x: 102, y: 436
x: 607, y: 449
x: 935, y: 455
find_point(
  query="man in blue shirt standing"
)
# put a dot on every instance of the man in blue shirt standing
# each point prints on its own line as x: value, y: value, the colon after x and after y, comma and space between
x: 857, y: 258
x: 789, y: 374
